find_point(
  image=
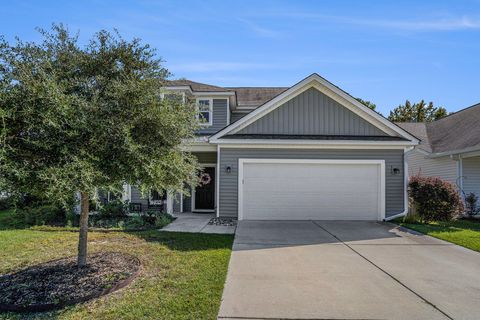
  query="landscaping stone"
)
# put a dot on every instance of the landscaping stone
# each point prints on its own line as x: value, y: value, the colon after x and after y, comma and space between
x: 223, y: 221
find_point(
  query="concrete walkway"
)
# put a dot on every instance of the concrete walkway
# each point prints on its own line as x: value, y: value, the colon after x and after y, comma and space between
x: 197, y: 222
x: 347, y: 270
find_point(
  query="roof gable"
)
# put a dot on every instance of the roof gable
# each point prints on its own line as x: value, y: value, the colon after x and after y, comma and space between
x: 329, y: 90
x: 312, y: 113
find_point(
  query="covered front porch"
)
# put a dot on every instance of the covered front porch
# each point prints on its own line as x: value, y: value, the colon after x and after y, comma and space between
x: 200, y: 199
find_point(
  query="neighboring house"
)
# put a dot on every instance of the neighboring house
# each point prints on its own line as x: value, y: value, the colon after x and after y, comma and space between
x: 310, y: 151
x: 449, y: 149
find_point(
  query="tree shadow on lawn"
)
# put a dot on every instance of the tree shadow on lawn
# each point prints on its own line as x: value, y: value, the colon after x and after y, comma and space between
x: 183, y: 241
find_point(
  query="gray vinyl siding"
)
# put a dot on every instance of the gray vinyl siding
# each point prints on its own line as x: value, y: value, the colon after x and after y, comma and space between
x: 444, y: 168
x: 235, y: 116
x: 394, y: 193
x: 219, y: 117
x: 312, y: 113
x: 471, y: 175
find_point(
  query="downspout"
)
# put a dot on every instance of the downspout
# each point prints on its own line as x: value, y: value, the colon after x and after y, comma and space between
x: 405, y: 184
x: 217, y: 184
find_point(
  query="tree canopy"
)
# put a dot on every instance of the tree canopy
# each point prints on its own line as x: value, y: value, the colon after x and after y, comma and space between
x: 369, y: 104
x: 77, y: 118
x: 417, y: 112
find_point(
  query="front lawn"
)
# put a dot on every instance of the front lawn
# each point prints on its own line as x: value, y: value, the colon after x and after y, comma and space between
x: 465, y: 233
x: 182, y: 277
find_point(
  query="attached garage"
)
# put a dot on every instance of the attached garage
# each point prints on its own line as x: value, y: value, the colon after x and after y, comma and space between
x: 310, y: 189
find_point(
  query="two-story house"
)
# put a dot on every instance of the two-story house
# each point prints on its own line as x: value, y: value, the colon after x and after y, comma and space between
x: 310, y: 151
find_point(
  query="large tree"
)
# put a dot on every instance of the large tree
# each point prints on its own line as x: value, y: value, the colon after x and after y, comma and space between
x: 76, y: 118
x: 417, y: 112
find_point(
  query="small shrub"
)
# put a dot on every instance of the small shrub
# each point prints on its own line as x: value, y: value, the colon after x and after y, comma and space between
x: 150, y: 216
x: 44, y: 214
x: 436, y: 200
x: 162, y: 220
x: 114, y: 209
x: 135, y: 222
x: 471, y: 204
x: 5, y: 203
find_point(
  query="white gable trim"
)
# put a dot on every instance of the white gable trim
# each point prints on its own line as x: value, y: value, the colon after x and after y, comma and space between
x: 326, y: 88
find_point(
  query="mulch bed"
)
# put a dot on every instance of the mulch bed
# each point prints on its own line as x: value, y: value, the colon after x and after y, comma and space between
x: 223, y: 221
x: 59, y: 283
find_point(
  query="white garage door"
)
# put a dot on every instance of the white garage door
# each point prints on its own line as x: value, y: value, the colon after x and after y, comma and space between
x: 311, y: 189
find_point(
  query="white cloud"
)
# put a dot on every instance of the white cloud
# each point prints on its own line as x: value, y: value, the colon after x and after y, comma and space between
x: 260, y: 31
x: 462, y: 23
x: 445, y: 23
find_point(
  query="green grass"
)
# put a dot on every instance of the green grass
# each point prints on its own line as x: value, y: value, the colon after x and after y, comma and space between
x: 465, y: 233
x: 182, y: 276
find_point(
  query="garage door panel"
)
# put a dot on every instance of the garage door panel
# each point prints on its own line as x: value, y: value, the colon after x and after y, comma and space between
x: 297, y: 191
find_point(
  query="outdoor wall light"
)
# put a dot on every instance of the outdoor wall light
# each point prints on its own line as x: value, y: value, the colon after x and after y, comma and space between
x: 228, y: 169
x: 395, y: 171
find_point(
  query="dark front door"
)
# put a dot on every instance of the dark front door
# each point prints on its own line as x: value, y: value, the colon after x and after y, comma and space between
x: 205, y: 192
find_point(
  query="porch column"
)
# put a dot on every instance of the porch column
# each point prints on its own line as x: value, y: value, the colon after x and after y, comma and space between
x: 170, y: 196
x: 127, y: 192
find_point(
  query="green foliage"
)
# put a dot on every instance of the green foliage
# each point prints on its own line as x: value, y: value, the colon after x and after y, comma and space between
x: 45, y: 214
x: 436, y: 200
x: 78, y: 118
x: 135, y: 222
x: 162, y: 220
x: 369, y: 104
x: 418, y: 112
x: 5, y: 203
x: 114, y: 209
x: 471, y: 204
x: 10, y: 219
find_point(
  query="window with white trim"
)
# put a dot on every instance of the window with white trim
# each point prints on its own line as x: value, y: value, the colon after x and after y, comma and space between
x: 205, y: 111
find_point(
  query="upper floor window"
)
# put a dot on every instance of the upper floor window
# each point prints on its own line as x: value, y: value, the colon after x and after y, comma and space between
x: 205, y: 111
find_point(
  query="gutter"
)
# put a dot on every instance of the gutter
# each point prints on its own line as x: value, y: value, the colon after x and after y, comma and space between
x: 453, y: 152
x: 405, y: 193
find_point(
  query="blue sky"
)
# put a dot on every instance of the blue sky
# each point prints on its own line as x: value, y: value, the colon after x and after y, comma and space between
x: 383, y: 51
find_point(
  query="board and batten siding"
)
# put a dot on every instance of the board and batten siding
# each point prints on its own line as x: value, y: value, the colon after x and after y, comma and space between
x: 394, y: 191
x: 219, y: 120
x: 444, y: 167
x: 312, y: 113
x: 235, y: 116
x: 471, y: 175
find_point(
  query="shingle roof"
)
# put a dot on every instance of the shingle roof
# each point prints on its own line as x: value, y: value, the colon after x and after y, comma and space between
x: 252, y: 97
x: 197, y: 86
x: 419, y: 130
x: 457, y: 131
x: 247, y: 97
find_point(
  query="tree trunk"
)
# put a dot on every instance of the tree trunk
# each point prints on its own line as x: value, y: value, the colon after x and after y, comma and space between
x: 82, y: 238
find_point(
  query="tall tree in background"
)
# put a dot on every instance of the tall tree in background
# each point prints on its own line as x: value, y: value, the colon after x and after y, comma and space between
x: 369, y: 104
x: 73, y: 119
x: 417, y: 112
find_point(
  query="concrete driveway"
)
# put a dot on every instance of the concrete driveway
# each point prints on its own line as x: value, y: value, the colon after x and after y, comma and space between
x: 347, y: 270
